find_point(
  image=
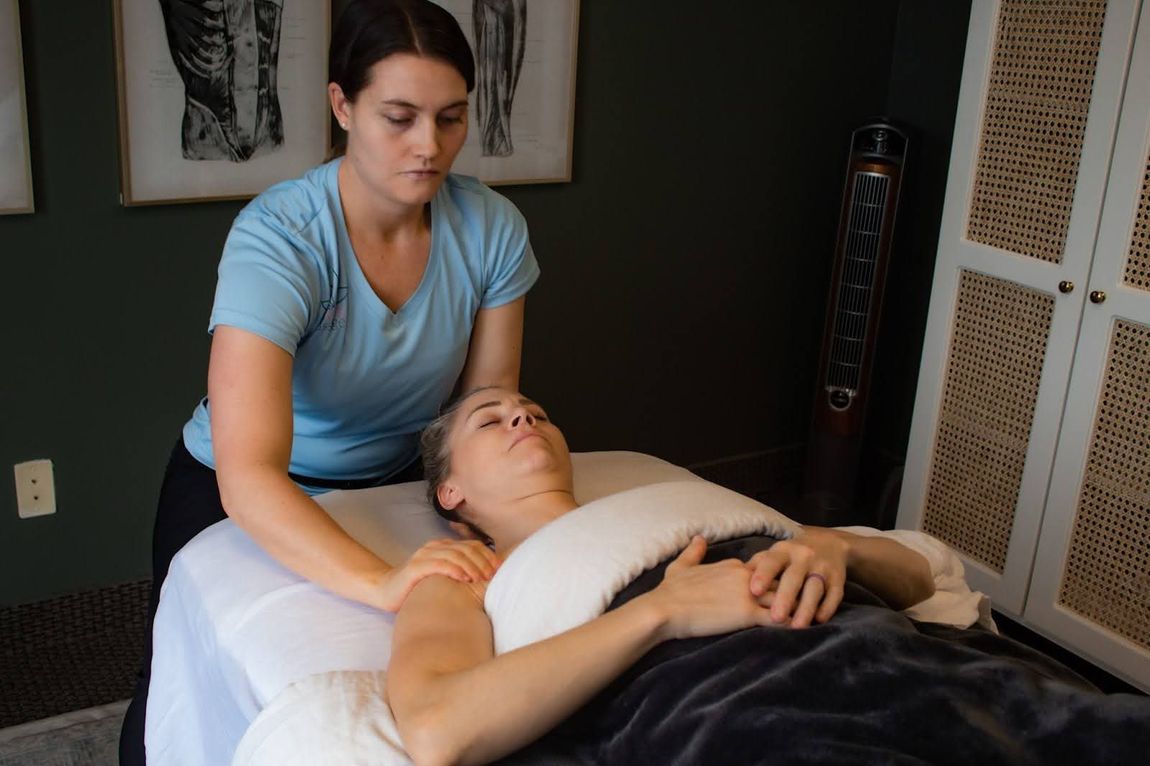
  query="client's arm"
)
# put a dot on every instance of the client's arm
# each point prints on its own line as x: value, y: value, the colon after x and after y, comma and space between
x: 802, y: 578
x: 455, y: 702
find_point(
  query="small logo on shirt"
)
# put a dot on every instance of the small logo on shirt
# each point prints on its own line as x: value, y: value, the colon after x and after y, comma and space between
x: 334, y: 308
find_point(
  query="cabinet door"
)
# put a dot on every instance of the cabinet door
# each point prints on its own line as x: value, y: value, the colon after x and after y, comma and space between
x: 1038, y: 107
x: 1091, y: 583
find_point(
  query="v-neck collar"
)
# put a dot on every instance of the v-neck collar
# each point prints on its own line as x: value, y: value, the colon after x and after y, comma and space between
x: 358, y: 280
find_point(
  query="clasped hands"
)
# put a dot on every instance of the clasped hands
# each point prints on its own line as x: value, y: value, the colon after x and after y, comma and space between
x: 795, y: 582
x: 801, y: 579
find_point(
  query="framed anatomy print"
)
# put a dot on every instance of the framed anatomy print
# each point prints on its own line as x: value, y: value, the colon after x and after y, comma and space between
x: 219, y: 99
x: 522, y: 109
x: 15, y: 161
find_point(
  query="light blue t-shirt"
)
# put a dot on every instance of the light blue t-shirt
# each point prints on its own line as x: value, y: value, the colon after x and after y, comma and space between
x: 365, y: 380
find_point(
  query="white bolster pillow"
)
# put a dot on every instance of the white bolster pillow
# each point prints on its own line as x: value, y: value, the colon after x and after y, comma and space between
x: 568, y: 572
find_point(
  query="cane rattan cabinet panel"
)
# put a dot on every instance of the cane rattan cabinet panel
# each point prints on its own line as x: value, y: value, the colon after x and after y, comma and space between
x: 1030, y: 446
x: 1107, y: 573
x: 994, y: 367
x: 1137, y: 273
x: 1037, y: 101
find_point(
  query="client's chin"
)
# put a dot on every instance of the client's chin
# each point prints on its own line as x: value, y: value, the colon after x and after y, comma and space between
x: 535, y: 453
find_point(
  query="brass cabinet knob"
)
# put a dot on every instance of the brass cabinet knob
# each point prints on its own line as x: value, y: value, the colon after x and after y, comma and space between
x: 1066, y: 286
x: 1097, y: 296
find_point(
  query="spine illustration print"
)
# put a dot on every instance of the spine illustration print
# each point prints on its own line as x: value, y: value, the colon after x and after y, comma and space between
x: 500, y: 39
x: 227, y: 52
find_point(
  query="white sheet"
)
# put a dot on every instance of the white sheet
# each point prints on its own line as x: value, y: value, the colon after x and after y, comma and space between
x: 336, y: 719
x: 953, y: 602
x: 234, y: 629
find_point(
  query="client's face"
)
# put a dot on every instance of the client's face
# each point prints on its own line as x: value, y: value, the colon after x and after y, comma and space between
x: 503, y: 448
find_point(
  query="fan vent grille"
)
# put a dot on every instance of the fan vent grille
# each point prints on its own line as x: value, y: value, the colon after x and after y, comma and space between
x: 853, y: 304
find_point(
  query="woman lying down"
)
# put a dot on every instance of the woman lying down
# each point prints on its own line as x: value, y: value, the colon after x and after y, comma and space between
x: 776, y: 659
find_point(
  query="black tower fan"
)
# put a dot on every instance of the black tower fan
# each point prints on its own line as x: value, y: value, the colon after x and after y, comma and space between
x: 862, y: 252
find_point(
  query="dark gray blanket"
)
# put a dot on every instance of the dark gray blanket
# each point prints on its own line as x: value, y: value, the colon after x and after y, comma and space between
x: 869, y: 687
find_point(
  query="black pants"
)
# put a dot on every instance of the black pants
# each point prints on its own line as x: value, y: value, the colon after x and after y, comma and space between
x: 190, y: 503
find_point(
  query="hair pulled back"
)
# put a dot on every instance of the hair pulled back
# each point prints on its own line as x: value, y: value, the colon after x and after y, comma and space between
x: 369, y: 31
x: 435, y: 450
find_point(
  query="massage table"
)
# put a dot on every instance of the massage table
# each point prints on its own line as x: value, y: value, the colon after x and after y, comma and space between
x: 243, y: 646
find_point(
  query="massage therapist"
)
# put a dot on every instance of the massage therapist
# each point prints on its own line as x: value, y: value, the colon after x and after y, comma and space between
x: 349, y: 304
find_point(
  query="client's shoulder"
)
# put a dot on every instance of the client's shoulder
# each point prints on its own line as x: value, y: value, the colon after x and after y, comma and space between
x: 442, y: 618
x: 440, y: 593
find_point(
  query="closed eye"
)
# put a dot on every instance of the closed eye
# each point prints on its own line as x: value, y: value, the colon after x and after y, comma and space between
x: 487, y: 423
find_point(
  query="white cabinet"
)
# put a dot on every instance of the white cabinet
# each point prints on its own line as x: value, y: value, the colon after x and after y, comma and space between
x: 1030, y: 445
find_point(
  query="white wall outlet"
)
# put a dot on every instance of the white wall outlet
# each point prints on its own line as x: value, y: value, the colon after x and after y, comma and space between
x: 35, y: 488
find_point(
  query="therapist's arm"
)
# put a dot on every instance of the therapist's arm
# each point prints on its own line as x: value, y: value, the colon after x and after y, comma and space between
x: 249, y: 390
x: 496, y: 349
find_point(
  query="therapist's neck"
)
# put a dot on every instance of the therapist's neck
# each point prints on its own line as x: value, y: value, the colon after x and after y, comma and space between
x: 373, y: 215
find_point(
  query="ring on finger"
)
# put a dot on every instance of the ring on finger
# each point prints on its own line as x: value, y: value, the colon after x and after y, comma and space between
x: 816, y: 576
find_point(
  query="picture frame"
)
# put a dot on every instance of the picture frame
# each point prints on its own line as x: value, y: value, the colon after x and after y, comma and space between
x: 522, y: 116
x: 15, y: 150
x: 194, y: 133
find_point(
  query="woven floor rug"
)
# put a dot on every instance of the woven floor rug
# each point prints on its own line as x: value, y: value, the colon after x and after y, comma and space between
x: 71, y: 653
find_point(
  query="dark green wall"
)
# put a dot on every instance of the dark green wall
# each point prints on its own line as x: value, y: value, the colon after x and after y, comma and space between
x: 925, y: 76
x: 104, y: 343
x: 684, y: 268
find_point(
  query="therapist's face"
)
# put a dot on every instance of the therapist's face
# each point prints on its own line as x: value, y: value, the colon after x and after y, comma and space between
x: 405, y: 127
x: 504, y: 448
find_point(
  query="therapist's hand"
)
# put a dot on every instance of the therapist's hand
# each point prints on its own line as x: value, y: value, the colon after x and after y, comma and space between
x: 461, y: 560
x: 801, y: 579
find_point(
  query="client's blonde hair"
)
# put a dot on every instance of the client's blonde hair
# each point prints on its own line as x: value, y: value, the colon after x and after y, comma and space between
x: 435, y: 451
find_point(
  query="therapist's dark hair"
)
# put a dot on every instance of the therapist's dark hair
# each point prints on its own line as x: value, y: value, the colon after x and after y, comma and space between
x: 369, y: 31
x: 435, y: 450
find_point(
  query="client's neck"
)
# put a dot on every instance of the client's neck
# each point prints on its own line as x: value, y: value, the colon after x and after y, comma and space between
x: 528, y: 515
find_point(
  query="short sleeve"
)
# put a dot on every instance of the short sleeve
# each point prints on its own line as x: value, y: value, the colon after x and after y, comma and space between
x: 511, y: 268
x: 263, y: 285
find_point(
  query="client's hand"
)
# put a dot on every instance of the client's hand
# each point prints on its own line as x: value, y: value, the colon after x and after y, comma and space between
x: 801, y: 578
x: 461, y: 560
x: 707, y: 599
